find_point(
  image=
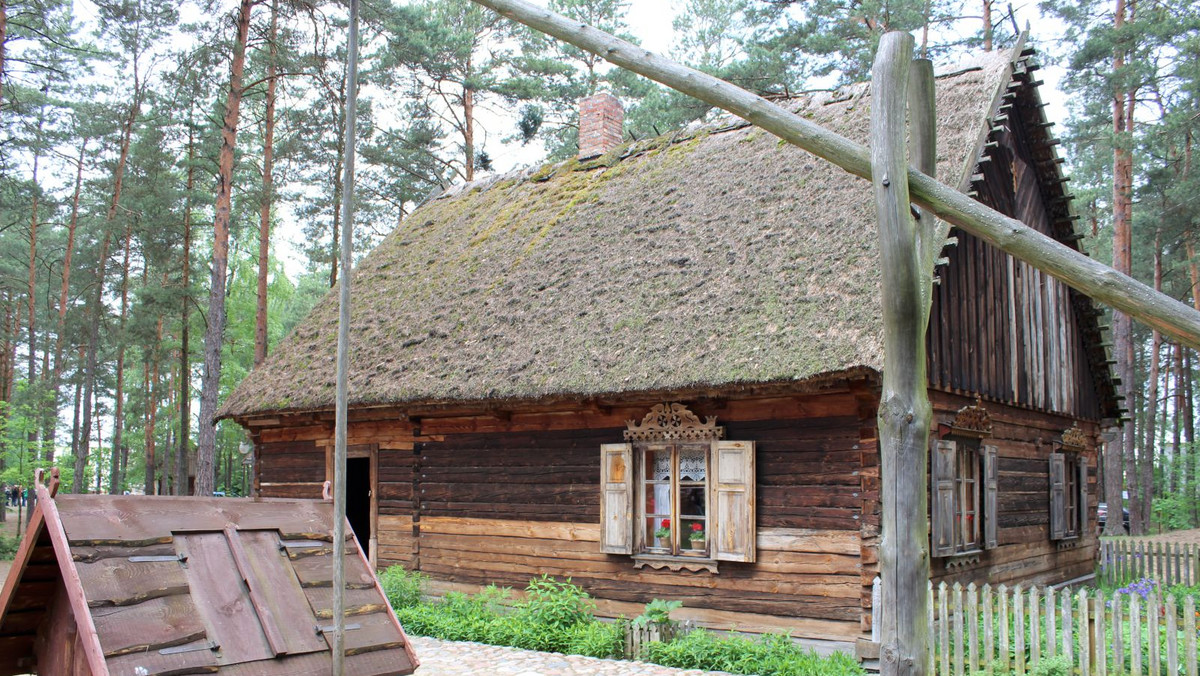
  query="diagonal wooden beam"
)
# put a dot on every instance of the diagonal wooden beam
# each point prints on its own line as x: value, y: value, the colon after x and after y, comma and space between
x: 1090, y: 277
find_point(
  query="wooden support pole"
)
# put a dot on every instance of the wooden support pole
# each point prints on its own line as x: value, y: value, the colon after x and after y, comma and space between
x: 904, y: 409
x: 343, y: 352
x: 1073, y: 268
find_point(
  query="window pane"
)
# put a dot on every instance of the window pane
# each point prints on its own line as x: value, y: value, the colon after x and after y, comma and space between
x: 691, y: 501
x: 693, y: 536
x: 658, y: 465
x: 658, y: 499
x: 693, y: 465
x: 658, y: 532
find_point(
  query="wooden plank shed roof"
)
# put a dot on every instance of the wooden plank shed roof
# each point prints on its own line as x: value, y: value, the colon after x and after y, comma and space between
x: 156, y: 585
x: 716, y: 257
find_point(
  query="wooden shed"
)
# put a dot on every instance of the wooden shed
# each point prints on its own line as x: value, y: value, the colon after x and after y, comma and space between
x: 656, y: 371
x: 135, y: 585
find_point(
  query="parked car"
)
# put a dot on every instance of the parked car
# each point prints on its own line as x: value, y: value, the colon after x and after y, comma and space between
x: 1102, y: 516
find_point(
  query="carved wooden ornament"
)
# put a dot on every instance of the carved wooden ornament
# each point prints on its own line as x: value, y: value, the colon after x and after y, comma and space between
x: 973, y: 419
x: 1074, y: 438
x: 672, y: 422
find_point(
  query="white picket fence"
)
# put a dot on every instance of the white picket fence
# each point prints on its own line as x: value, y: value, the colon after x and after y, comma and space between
x: 1016, y: 628
x: 1124, y: 560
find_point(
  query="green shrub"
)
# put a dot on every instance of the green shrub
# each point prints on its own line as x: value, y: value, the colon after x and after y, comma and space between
x: 657, y: 611
x: 8, y: 546
x: 555, y: 617
x: 403, y: 588
x: 556, y: 604
x: 768, y: 654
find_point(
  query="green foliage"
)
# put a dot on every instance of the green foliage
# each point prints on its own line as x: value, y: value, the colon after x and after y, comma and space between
x: 8, y: 546
x: 768, y: 654
x: 1058, y: 665
x: 403, y: 588
x: 555, y: 617
x: 657, y: 611
x: 556, y: 604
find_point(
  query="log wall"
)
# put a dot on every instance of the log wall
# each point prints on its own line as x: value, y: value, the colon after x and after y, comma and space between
x: 474, y: 499
x: 1024, y: 439
x: 502, y: 498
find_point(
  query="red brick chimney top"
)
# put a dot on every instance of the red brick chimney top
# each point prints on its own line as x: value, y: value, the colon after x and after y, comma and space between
x: 600, y: 124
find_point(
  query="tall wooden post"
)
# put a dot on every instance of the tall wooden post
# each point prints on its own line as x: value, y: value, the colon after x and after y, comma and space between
x: 904, y: 410
x: 343, y: 352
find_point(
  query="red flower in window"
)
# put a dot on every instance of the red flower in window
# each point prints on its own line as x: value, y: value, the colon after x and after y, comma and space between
x: 696, y: 527
x: 666, y: 523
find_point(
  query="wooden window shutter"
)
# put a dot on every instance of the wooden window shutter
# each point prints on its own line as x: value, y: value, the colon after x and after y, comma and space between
x: 991, y: 484
x: 616, y: 498
x: 734, y: 516
x: 942, y: 469
x: 1083, y: 495
x: 1058, y: 473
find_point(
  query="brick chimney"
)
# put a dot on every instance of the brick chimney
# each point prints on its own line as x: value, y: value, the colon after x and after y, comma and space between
x: 600, y: 125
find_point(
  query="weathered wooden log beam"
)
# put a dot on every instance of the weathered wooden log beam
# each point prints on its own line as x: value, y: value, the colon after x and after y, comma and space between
x: 1095, y: 279
x: 904, y: 410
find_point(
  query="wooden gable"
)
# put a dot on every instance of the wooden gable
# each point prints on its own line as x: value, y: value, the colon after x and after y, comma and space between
x: 998, y: 326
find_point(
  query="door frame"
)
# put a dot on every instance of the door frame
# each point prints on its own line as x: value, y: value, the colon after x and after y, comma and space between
x: 363, y: 451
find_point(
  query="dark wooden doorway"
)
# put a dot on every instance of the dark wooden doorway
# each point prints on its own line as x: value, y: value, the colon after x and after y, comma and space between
x: 358, y: 499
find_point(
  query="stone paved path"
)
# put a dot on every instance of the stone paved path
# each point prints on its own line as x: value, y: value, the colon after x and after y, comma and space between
x: 455, y: 658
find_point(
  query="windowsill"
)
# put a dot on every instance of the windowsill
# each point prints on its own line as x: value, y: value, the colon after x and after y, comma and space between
x: 675, y: 563
x: 1068, y: 542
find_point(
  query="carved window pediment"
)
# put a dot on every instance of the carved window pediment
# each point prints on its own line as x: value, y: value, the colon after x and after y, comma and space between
x: 673, y: 422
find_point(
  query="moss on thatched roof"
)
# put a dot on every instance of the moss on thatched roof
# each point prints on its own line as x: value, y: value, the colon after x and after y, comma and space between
x: 721, y: 256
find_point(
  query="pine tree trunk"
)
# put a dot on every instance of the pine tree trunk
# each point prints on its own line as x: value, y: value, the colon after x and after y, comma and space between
x: 987, y: 25
x: 1122, y: 324
x: 3, y: 34
x: 264, y: 220
x: 96, y: 311
x: 215, y: 334
x: 151, y: 389
x: 31, y: 291
x: 179, y: 464
x: 89, y: 373
x: 469, y: 129
x: 63, y: 301
x: 115, y: 478
x: 337, y: 184
x: 1177, y: 422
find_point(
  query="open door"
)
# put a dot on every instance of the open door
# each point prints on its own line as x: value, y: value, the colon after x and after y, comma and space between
x: 359, y: 489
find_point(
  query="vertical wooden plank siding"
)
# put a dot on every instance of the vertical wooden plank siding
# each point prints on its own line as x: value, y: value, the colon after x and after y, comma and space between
x: 1039, y: 359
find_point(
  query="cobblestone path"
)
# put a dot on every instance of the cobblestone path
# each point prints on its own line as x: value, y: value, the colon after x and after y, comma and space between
x: 454, y: 658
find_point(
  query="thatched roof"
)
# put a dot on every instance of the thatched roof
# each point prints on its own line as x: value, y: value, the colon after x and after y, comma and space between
x: 719, y: 256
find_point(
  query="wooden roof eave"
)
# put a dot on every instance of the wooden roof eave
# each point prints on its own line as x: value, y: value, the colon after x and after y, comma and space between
x: 607, y: 400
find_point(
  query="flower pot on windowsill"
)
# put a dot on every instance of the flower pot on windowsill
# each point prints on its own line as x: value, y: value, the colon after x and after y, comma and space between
x: 662, y: 543
x: 698, y: 544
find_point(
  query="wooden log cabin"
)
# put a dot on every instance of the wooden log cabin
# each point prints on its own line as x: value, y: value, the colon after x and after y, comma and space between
x: 655, y: 369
